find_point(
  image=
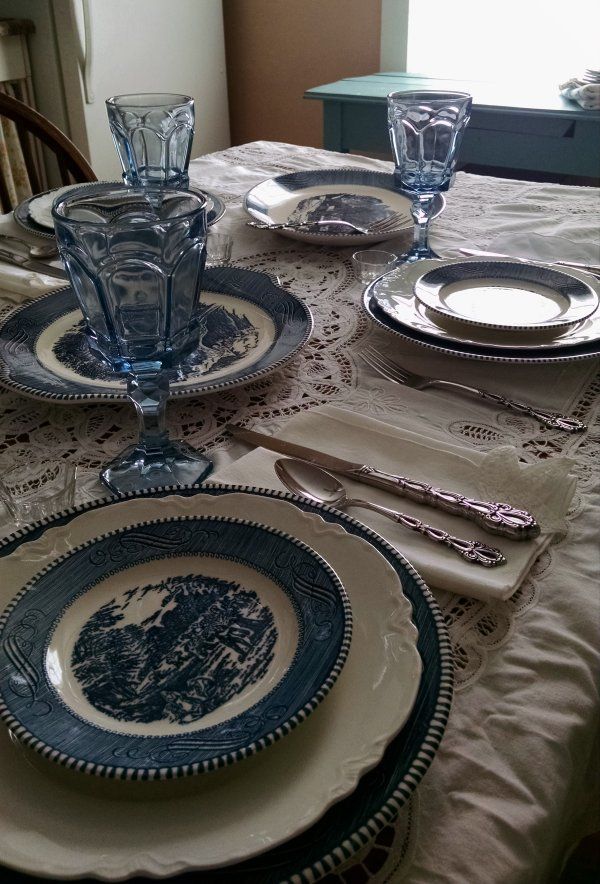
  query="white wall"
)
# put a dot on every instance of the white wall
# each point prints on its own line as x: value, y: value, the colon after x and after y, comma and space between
x: 138, y: 46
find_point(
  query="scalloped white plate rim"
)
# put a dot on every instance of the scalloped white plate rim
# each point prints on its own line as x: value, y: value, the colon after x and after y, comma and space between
x: 405, y: 312
x: 331, y: 766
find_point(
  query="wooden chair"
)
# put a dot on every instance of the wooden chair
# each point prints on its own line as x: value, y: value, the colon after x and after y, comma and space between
x: 72, y: 165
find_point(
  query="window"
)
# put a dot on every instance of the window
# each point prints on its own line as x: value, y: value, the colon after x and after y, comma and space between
x: 539, y: 42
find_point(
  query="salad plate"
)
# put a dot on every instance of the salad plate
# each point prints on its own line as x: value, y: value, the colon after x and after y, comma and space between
x: 359, y: 196
x: 34, y: 213
x: 390, y: 302
x: 506, y: 295
x: 171, y: 647
x: 244, y: 811
x: 253, y: 327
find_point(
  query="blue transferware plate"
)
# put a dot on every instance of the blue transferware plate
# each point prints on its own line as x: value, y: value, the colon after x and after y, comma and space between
x: 407, y: 319
x: 215, y: 209
x: 172, y: 647
x: 253, y: 327
x: 504, y: 294
x: 355, y: 821
x: 361, y: 196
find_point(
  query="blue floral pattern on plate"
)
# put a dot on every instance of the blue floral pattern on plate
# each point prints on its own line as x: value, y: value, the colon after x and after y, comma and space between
x: 207, y: 640
x: 360, y: 196
x: 104, y: 672
x: 253, y: 327
x: 353, y: 822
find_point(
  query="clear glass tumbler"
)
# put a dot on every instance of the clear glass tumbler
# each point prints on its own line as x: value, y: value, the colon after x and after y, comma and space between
x: 33, y: 492
x: 426, y: 129
x: 371, y: 263
x: 218, y: 249
x: 135, y: 257
x: 153, y: 135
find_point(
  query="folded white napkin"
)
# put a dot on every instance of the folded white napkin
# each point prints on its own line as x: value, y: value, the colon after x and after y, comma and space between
x: 587, y: 95
x: 17, y: 284
x: 544, y: 489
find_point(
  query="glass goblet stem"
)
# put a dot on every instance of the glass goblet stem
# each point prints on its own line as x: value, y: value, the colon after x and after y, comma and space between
x: 149, y: 392
x: 421, y: 210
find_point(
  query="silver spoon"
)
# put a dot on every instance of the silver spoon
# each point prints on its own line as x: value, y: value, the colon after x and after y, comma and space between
x: 317, y: 485
x: 49, y: 250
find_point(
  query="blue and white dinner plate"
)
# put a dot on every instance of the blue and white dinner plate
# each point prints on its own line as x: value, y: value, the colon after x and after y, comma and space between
x: 361, y: 196
x: 505, y: 295
x: 171, y: 647
x: 390, y: 302
x: 253, y: 327
x: 22, y: 214
x: 318, y: 847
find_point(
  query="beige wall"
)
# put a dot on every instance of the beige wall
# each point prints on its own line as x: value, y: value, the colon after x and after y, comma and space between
x: 276, y: 49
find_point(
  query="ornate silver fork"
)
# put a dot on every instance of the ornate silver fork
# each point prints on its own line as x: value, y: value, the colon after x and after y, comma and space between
x: 390, y: 370
x: 385, y: 225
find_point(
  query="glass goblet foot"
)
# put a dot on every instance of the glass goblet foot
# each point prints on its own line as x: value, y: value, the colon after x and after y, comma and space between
x: 140, y: 467
x: 155, y: 460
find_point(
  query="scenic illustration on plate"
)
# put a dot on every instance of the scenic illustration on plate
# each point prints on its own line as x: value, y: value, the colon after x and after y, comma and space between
x: 203, y: 643
x: 229, y: 337
x: 357, y: 208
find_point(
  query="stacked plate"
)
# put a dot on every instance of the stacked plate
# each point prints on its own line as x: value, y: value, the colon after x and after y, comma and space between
x: 34, y: 214
x: 591, y: 75
x: 253, y: 327
x: 164, y: 637
x: 501, y: 309
x: 358, y: 196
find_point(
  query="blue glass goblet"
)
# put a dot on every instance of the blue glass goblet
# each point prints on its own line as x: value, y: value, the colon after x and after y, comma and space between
x: 426, y: 129
x: 135, y: 257
x: 153, y: 135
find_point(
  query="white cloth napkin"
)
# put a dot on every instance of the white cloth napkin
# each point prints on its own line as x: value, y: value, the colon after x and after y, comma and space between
x: 545, y: 489
x: 17, y: 284
x: 587, y: 95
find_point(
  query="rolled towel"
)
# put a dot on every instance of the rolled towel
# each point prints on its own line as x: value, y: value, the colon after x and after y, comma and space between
x: 587, y: 95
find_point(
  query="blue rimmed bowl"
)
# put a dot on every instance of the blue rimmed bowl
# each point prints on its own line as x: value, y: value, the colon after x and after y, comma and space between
x: 172, y: 647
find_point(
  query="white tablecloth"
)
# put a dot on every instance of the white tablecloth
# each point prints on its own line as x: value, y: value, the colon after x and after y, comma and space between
x: 511, y: 788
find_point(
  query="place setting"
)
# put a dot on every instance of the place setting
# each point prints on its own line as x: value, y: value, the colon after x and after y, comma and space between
x: 237, y: 663
x: 182, y: 645
x: 494, y: 308
x: 333, y: 207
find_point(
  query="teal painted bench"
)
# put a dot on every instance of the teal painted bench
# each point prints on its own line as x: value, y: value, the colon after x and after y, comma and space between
x: 512, y: 126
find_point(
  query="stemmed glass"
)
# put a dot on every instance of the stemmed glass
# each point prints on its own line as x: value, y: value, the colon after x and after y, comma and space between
x: 135, y: 257
x: 426, y: 129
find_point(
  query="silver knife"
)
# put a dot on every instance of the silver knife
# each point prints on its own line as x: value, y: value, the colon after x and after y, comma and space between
x: 31, y: 264
x: 497, y: 518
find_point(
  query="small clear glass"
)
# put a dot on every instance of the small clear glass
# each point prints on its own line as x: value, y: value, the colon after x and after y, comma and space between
x: 371, y: 263
x: 153, y: 134
x: 426, y: 130
x: 218, y: 249
x: 33, y: 492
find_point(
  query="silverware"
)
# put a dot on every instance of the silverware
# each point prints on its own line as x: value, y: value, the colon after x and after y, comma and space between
x: 386, y: 225
x: 30, y: 264
x: 318, y: 485
x: 497, y: 518
x: 390, y: 370
x: 575, y: 265
x: 32, y: 251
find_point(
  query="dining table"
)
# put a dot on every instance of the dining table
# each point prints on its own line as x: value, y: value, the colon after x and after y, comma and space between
x: 513, y: 786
